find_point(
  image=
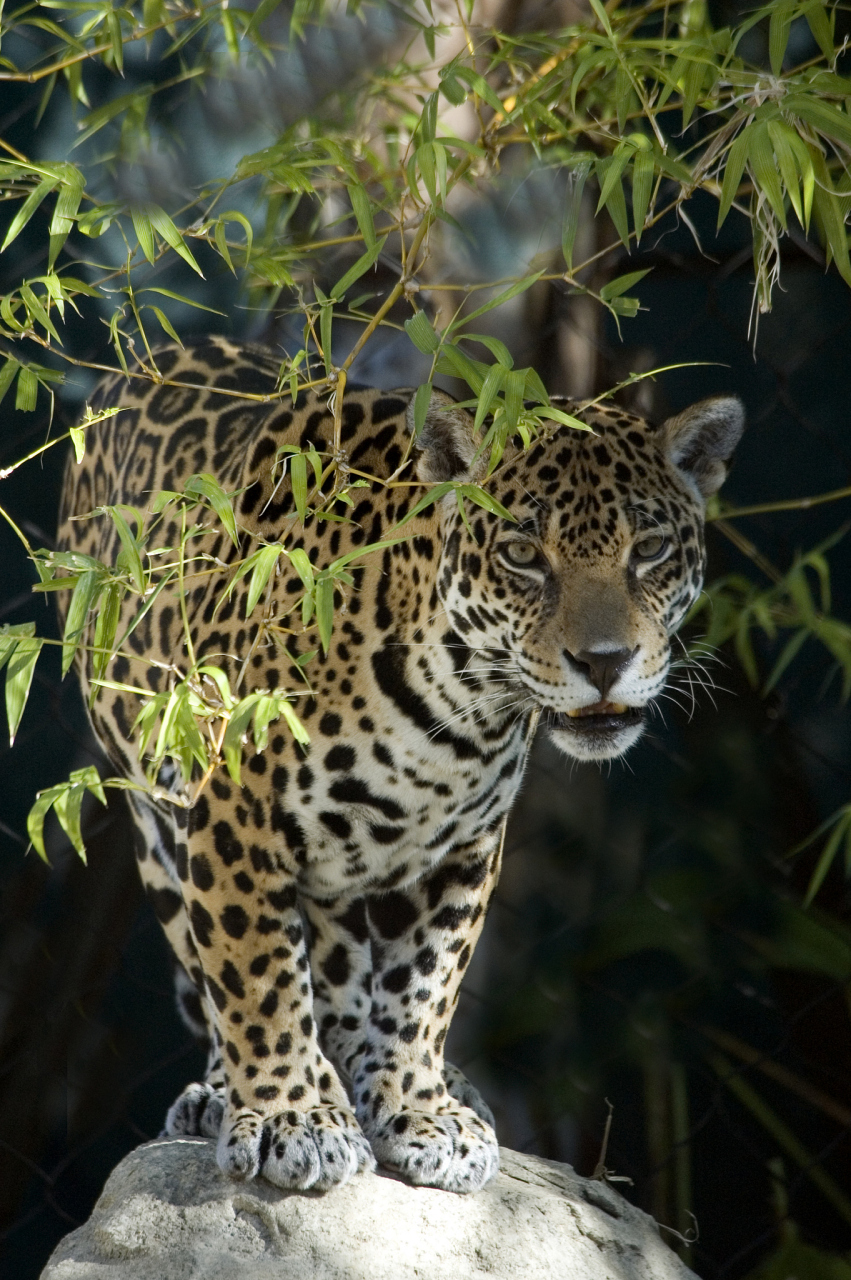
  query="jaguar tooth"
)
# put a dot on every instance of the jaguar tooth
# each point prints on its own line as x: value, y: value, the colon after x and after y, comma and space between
x: 618, y: 708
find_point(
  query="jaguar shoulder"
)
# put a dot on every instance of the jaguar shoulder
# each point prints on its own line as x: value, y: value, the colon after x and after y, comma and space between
x: 323, y: 912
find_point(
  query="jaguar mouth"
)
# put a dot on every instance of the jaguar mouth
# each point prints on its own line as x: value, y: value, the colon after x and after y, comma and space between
x: 606, y: 717
x: 601, y: 731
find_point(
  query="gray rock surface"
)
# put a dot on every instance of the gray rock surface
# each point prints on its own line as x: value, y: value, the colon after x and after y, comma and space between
x: 167, y: 1213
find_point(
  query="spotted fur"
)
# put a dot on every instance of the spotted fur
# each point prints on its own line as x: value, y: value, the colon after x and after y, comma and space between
x: 324, y: 912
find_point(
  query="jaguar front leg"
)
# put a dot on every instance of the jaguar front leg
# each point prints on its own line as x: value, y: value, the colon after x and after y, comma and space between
x: 285, y: 1112
x: 341, y: 969
x: 422, y: 938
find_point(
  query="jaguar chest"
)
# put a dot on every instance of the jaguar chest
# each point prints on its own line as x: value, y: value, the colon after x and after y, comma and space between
x: 384, y: 796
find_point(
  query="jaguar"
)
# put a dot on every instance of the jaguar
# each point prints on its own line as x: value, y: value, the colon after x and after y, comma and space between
x: 323, y: 911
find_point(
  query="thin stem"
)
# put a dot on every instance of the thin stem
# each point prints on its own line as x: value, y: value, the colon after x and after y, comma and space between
x: 786, y: 504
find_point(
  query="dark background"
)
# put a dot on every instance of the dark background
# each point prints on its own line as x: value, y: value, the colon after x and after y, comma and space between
x: 649, y: 914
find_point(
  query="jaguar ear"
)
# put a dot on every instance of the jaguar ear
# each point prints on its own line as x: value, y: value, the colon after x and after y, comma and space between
x: 701, y: 440
x: 447, y: 443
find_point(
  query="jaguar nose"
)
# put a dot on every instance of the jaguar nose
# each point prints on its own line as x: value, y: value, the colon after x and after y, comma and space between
x: 602, y: 668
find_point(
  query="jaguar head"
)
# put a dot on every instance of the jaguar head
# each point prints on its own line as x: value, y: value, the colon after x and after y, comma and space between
x: 578, y: 597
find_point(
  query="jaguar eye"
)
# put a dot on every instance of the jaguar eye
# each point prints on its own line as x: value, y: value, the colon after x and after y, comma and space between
x: 523, y: 554
x: 651, y: 547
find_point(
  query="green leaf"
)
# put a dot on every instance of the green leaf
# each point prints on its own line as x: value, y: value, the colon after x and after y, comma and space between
x: 26, y: 211
x: 822, y: 27
x: 764, y: 168
x: 733, y: 170
x: 419, y: 329
x: 422, y: 400
x: 82, y: 599
x: 27, y: 391
x: 236, y: 727
x: 18, y: 680
x: 179, y: 297
x: 520, y: 286
x: 572, y: 210
x: 497, y: 349
x: 784, y: 150
x: 233, y: 215
x: 296, y: 728
x: 78, y: 439
x: 162, y: 223
x: 363, y: 264
x: 479, y: 85
x: 298, y: 480
x: 325, y: 611
x: 643, y: 171
x: 114, y: 27
x: 130, y: 545
x: 615, y: 200
x: 779, y: 26
x: 266, y: 560
x: 144, y: 232
x: 300, y: 561
x: 362, y: 210
x: 566, y: 419
x: 106, y: 626
x: 38, y: 313
x: 166, y: 324
x: 326, y: 318
x: 831, y: 848
x: 616, y: 287
x: 491, y: 387
x: 483, y: 499
x: 207, y: 486
x: 434, y: 494
x: 7, y: 374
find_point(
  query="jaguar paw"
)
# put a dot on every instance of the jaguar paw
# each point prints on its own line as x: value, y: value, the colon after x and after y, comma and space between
x: 315, y: 1149
x: 196, y: 1113
x: 460, y: 1088
x: 456, y: 1150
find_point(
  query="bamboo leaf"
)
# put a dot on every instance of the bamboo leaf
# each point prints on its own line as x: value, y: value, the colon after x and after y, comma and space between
x: 422, y: 400
x: 487, y: 501
x: 267, y: 559
x: 520, y: 286
x: 301, y: 563
x: 733, y: 170
x: 572, y: 210
x: 491, y: 387
x: 363, y: 264
x: 419, y: 329
x: 166, y: 324
x: 764, y: 168
x: 130, y: 547
x: 826, y: 858
x: 144, y: 232
x: 27, y: 391
x: 615, y: 200
x: 78, y: 439
x: 207, y: 486
x: 7, y: 374
x: 621, y: 284
x: 779, y: 26
x: 18, y: 680
x: 26, y: 211
x: 82, y: 599
x: 821, y: 26
x: 643, y: 171
x: 298, y: 480
x: 325, y: 611
x: 162, y: 223
x: 106, y: 626
x: 362, y: 210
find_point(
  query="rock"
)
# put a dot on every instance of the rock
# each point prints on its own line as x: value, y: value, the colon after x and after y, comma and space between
x: 168, y: 1213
